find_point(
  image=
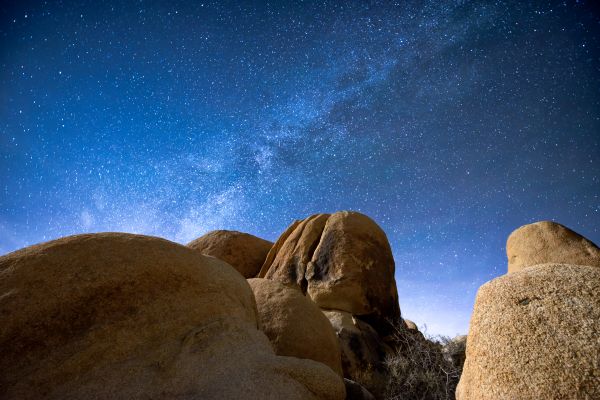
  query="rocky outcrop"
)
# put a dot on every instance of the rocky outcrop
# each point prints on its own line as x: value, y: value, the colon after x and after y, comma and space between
x: 535, y: 334
x: 363, y: 351
x: 549, y: 242
x: 294, y: 324
x: 342, y: 261
x: 355, y: 391
x: 245, y: 252
x: 124, y: 316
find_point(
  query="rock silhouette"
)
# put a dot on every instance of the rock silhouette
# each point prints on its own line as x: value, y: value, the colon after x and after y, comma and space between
x: 243, y: 251
x: 125, y: 316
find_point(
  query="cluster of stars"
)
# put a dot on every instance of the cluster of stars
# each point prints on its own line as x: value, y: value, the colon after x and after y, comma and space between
x: 449, y: 123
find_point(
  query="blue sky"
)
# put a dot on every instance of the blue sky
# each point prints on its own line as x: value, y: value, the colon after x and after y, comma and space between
x: 449, y: 123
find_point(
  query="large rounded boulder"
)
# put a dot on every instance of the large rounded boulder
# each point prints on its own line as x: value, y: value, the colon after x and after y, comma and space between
x: 245, y: 252
x: 342, y: 261
x: 294, y: 324
x: 549, y: 242
x: 535, y: 334
x: 119, y: 316
x: 289, y: 257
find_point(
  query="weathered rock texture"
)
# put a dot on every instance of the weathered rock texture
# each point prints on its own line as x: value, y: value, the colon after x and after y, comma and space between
x: 549, y: 242
x: 243, y: 251
x: 294, y: 324
x: 535, y: 334
x: 363, y: 351
x: 343, y: 261
x: 118, y: 316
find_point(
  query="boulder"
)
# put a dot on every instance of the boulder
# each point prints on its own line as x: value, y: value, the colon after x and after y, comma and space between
x: 243, y: 251
x: 294, y: 324
x: 411, y: 326
x: 363, y: 351
x: 355, y: 391
x: 289, y: 257
x: 342, y: 261
x: 120, y: 316
x: 549, y: 242
x: 535, y: 334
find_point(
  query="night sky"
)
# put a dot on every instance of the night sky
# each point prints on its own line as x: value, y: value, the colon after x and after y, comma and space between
x: 449, y: 123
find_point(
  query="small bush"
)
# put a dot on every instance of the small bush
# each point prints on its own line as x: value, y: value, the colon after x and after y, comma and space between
x: 419, y: 369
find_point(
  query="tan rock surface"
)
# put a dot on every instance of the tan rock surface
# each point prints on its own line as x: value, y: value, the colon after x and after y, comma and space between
x: 549, y: 242
x: 410, y: 325
x: 363, y: 351
x: 119, y: 316
x: 343, y: 261
x: 243, y: 251
x: 294, y: 324
x: 535, y: 334
x: 288, y: 260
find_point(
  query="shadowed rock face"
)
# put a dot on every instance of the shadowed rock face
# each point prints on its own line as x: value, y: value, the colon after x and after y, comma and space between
x: 124, y: 316
x: 245, y: 252
x: 454, y: 351
x: 549, y: 242
x: 363, y: 351
x: 342, y: 261
x: 535, y: 334
x: 294, y: 324
x: 355, y: 391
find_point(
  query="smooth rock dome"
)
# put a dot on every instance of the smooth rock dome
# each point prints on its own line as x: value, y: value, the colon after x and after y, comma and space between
x: 549, y: 242
x: 245, y: 252
x: 535, y: 334
x: 120, y: 316
x: 342, y: 261
x: 295, y: 325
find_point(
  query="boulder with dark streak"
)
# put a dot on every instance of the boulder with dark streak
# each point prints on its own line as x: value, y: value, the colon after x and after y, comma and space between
x: 342, y: 261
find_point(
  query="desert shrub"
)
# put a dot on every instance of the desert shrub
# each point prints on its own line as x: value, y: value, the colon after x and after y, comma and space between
x: 419, y: 369
x: 454, y: 350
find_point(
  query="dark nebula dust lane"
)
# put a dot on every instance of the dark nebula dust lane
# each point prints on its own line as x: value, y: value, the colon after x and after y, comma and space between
x: 450, y: 123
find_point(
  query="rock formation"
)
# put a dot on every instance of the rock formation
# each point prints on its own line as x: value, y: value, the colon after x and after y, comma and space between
x: 124, y: 316
x: 410, y: 325
x: 549, y: 242
x: 535, y: 334
x: 342, y: 261
x: 243, y: 251
x: 363, y: 351
x: 294, y: 324
x: 355, y: 391
x: 454, y: 351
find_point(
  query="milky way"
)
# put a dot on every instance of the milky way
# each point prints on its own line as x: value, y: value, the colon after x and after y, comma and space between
x: 449, y: 123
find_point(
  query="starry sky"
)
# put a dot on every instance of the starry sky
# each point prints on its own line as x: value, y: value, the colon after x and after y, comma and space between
x: 451, y: 123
